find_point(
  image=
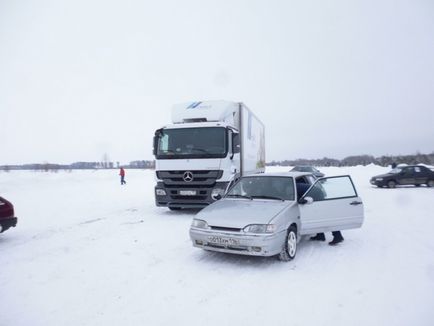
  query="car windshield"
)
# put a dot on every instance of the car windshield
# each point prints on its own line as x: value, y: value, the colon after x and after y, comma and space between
x: 395, y: 170
x: 266, y: 187
x: 207, y: 142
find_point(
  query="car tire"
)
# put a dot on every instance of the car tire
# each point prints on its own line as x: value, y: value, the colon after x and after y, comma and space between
x: 289, y: 249
x: 391, y: 184
x: 430, y: 183
x: 175, y: 208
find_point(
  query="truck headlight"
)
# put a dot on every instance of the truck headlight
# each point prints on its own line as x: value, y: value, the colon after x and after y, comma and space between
x: 160, y: 192
x: 260, y: 228
x: 217, y: 192
x: 200, y: 224
x: 379, y: 179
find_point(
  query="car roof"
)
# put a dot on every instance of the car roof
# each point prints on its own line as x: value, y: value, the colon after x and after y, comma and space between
x: 280, y: 174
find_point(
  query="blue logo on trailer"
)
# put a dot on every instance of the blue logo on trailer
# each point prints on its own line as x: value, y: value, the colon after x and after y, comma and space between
x: 193, y: 105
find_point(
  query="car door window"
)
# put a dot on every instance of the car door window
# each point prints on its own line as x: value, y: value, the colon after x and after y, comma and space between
x: 407, y: 171
x: 332, y: 188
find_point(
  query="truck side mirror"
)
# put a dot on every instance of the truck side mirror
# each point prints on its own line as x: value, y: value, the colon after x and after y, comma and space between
x: 154, y: 149
x: 156, y: 139
x: 236, y: 143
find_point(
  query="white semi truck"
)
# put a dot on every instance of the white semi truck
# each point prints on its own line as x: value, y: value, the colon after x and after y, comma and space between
x: 208, y: 146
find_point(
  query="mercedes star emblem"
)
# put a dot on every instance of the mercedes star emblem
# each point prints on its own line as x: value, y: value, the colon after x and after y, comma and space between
x: 188, y: 176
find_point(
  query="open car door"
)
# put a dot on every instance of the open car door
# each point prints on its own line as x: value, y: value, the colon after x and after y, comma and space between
x: 331, y: 204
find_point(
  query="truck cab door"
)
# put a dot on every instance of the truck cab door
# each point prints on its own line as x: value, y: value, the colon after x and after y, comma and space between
x: 331, y: 204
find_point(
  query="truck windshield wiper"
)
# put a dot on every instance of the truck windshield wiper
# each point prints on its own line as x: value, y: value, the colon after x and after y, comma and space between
x: 268, y: 197
x: 239, y: 196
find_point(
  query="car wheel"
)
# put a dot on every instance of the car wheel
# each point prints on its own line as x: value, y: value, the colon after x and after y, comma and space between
x: 290, y: 247
x: 391, y: 184
x: 430, y: 183
x: 417, y: 185
x: 175, y: 208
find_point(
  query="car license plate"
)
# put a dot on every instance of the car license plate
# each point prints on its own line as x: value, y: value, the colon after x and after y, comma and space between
x: 187, y: 192
x: 224, y: 241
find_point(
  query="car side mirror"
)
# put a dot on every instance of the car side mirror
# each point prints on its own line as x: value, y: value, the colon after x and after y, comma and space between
x: 306, y: 200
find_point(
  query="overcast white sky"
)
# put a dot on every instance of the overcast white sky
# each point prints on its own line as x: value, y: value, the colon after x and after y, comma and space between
x: 82, y: 78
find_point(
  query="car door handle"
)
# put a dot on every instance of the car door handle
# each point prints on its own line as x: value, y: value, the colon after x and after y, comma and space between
x: 356, y: 203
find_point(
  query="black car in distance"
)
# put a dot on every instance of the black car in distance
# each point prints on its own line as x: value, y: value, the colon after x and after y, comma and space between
x: 308, y: 168
x: 405, y: 175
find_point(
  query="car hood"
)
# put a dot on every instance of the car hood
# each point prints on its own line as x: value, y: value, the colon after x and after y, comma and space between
x: 384, y: 175
x: 237, y: 213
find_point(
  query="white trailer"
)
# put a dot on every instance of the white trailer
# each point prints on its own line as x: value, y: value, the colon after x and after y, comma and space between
x: 207, y: 147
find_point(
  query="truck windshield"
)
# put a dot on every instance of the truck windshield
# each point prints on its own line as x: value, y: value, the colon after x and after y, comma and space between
x: 207, y: 142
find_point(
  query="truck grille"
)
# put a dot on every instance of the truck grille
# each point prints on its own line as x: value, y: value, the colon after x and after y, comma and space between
x: 200, y: 178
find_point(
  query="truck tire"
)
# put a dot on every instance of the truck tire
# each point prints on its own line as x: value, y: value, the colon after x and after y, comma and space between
x: 430, y: 183
x: 391, y: 184
x: 289, y: 249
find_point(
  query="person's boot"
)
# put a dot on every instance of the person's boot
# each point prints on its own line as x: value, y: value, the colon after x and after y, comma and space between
x: 337, y: 238
x: 318, y: 237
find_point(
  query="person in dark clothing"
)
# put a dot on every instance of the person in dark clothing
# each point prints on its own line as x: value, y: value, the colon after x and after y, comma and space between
x: 122, y: 174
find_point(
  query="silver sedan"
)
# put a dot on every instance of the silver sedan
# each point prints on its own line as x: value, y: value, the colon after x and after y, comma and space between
x: 265, y: 214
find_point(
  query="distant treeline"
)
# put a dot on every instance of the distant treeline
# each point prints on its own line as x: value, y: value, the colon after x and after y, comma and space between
x: 79, y: 166
x: 385, y: 160
x: 361, y: 160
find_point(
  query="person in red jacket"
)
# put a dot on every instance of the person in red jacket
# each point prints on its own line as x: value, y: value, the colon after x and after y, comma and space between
x: 122, y: 174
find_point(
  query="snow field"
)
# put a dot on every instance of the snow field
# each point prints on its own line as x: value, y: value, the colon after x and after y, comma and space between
x: 88, y: 251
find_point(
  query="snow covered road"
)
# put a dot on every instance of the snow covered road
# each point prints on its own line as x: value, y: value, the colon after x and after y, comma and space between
x: 88, y: 251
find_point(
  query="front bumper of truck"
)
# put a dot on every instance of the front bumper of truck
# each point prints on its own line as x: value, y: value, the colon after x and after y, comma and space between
x: 188, y: 188
x: 187, y: 197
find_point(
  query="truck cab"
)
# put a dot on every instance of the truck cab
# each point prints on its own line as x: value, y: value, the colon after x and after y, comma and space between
x: 202, y: 152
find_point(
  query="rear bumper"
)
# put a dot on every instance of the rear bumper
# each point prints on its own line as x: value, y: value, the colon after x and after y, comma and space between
x: 7, y: 223
x: 251, y: 245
